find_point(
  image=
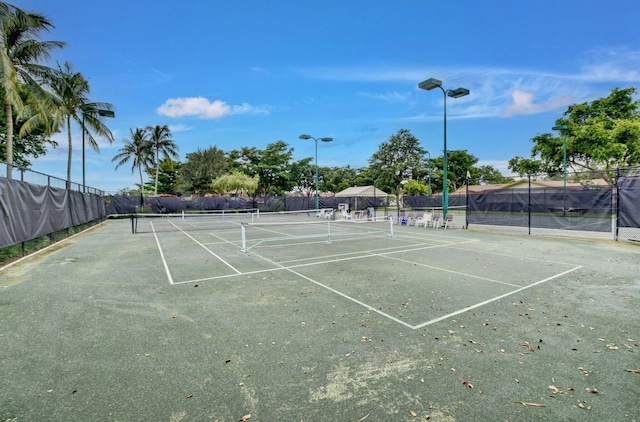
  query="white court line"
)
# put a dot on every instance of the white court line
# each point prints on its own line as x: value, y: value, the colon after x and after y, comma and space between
x: 368, y: 254
x: 448, y: 271
x: 477, y: 305
x: 164, y: 261
x: 339, y: 293
x: 207, y: 249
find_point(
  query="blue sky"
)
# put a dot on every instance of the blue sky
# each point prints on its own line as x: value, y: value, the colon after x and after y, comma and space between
x: 234, y: 73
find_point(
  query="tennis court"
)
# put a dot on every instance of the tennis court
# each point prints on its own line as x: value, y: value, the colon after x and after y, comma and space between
x: 288, y: 317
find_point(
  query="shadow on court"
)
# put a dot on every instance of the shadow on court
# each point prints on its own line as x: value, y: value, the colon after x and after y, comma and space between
x: 456, y: 325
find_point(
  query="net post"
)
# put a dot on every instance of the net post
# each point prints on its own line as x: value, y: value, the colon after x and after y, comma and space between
x: 244, y: 238
x: 329, y: 232
x: 182, y: 215
x: 391, y: 227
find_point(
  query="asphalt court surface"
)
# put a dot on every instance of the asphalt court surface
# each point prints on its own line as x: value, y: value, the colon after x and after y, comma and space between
x: 456, y: 325
x: 416, y: 277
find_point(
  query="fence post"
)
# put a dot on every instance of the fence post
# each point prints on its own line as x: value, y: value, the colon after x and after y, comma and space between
x: 617, y: 193
x: 529, y: 205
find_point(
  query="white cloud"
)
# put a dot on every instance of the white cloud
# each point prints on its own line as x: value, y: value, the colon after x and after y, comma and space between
x: 390, y: 97
x: 203, y: 108
x: 522, y: 103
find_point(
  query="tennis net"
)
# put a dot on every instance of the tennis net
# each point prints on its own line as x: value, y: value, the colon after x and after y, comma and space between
x: 215, y: 220
x: 261, y: 233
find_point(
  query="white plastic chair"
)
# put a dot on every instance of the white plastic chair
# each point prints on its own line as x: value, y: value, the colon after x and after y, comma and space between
x: 448, y: 221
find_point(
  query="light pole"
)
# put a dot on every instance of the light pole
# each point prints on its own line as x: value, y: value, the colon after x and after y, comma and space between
x: 101, y: 112
x: 303, y: 136
x: 564, y: 129
x: 428, y: 85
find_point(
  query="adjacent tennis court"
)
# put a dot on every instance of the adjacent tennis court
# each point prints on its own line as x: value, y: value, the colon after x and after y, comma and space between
x: 293, y: 317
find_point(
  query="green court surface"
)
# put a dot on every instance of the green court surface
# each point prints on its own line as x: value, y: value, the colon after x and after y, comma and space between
x: 320, y: 322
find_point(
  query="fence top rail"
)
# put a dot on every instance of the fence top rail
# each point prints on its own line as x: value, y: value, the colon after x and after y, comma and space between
x: 43, y: 179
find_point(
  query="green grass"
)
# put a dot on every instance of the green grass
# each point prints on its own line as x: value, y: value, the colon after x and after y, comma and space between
x: 17, y: 251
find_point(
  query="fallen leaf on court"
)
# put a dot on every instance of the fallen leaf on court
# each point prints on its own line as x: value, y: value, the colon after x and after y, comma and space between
x: 555, y: 389
x: 591, y: 390
x: 473, y: 341
x: 467, y: 384
x: 414, y: 414
x: 451, y: 332
x: 635, y: 371
x: 524, y: 403
x: 189, y: 396
x: 427, y: 417
x: 612, y: 346
x: 528, y: 347
x: 245, y: 417
x: 360, y: 420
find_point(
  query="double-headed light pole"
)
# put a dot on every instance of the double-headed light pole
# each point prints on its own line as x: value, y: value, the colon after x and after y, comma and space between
x: 428, y: 85
x: 304, y: 136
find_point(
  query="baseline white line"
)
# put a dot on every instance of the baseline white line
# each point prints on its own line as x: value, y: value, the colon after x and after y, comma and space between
x: 477, y: 305
x: 164, y: 261
x: 449, y: 271
x: 338, y: 293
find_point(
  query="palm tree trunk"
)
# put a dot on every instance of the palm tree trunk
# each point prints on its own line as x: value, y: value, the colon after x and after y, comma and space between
x: 155, y: 190
x: 9, y: 152
x: 141, y: 185
x: 70, y: 152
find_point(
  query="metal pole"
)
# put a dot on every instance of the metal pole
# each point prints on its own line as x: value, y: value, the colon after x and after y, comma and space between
x: 83, y: 177
x: 445, y: 189
x: 564, y: 170
x: 317, y: 200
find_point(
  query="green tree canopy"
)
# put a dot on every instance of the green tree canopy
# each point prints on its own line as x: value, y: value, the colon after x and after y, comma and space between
x: 236, y: 183
x: 397, y: 159
x: 21, y: 71
x: 272, y: 165
x: 137, y: 149
x: 200, y: 168
x: 601, y: 135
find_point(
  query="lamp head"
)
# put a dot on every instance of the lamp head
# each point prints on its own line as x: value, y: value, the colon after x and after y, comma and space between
x: 560, y: 127
x: 326, y: 139
x: 106, y: 113
x: 430, y: 84
x: 303, y: 136
x: 457, y: 93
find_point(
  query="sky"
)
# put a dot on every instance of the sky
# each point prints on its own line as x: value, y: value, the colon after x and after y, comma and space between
x: 236, y: 73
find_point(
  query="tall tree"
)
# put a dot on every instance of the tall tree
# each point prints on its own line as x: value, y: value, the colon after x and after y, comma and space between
x: 27, y: 146
x: 601, y: 135
x: 199, y: 170
x: 162, y: 143
x: 235, y: 183
x: 21, y: 54
x: 272, y: 165
x: 137, y: 150
x: 71, y: 91
x: 396, y: 160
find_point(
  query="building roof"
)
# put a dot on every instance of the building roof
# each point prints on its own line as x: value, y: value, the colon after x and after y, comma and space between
x: 355, y: 191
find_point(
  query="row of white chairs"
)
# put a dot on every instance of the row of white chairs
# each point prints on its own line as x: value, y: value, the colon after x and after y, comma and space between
x: 426, y: 219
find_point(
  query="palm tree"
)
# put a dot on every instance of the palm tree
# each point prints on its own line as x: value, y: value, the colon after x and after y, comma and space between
x: 137, y: 150
x: 21, y: 52
x: 161, y: 143
x: 71, y: 92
